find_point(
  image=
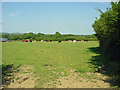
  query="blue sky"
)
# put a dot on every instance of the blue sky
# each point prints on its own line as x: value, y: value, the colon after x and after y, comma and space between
x: 51, y: 17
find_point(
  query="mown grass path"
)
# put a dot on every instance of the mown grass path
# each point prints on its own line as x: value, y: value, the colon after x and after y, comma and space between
x: 49, y: 59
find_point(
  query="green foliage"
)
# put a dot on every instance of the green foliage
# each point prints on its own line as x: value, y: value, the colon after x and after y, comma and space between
x: 57, y: 34
x: 107, y: 30
x: 55, y: 37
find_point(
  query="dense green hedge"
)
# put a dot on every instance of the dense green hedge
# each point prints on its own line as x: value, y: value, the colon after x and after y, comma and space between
x: 107, y: 30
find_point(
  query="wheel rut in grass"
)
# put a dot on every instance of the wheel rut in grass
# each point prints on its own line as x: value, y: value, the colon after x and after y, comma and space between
x: 77, y: 80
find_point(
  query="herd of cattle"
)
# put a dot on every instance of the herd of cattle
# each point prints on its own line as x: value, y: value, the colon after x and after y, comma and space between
x: 27, y: 40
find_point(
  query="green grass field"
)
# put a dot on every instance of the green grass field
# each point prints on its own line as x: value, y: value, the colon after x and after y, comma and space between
x: 60, y: 57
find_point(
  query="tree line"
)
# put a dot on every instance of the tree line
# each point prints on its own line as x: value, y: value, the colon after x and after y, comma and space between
x: 54, y: 37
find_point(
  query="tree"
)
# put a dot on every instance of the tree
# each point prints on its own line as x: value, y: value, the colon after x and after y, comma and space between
x: 107, y: 30
x: 58, y: 35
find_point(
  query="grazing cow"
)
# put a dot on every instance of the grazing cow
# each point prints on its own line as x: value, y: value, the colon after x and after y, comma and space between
x: 74, y: 41
x: 46, y: 40
x: 42, y: 41
x: 27, y: 40
x: 34, y: 41
x: 84, y: 40
x: 23, y: 40
x: 30, y: 40
x: 69, y: 41
x: 50, y: 40
x: 59, y: 41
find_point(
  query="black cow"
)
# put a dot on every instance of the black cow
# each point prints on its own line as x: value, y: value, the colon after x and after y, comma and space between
x: 59, y: 41
x: 85, y: 40
x: 46, y: 40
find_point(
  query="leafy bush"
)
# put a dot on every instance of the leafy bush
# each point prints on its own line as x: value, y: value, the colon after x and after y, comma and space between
x: 107, y: 30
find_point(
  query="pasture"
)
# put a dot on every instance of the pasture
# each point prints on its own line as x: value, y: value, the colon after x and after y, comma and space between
x: 48, y: 61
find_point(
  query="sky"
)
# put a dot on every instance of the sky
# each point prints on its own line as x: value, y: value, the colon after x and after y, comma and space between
x: 50, y: 17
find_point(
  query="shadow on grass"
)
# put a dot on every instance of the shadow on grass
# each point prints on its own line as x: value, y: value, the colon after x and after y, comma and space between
x: 95, y: 50
x: 110, y: 68
x: 7, y: 74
